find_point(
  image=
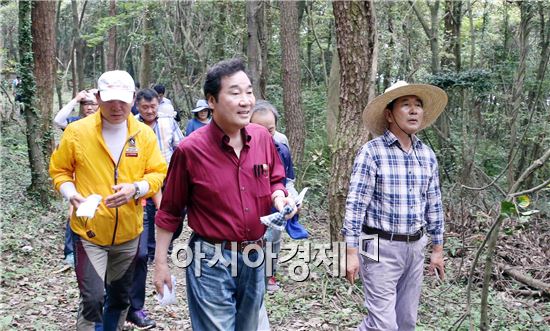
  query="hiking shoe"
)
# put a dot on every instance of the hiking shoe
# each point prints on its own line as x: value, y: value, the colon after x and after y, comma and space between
x: 69, y: 259
x: 272, y: 284
x: 140, y: 320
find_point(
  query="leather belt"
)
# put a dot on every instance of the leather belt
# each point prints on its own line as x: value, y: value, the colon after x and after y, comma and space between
x: 394, y: 236
x: 241, y: 245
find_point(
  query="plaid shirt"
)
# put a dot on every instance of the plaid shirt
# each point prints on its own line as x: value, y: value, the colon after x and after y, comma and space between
x: 168, y: 134
x: 394, y: 191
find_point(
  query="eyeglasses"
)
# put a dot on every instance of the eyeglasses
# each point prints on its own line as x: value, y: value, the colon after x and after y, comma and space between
x: 89, y: 103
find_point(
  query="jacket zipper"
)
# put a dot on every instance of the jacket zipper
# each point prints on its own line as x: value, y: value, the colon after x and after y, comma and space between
x: 116, y: 182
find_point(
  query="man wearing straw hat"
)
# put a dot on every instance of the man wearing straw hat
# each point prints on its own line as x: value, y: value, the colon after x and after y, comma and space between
x: 393, y: 201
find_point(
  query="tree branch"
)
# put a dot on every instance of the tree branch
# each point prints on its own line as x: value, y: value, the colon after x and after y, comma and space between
x: 531, y: 190
x: 534, y: 166
x: 427, y: 30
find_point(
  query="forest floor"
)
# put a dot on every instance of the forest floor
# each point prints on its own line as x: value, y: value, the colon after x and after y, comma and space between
x: 38, y: 292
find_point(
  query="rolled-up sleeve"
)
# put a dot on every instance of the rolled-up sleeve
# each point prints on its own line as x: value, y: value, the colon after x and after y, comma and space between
x: 176, y: 193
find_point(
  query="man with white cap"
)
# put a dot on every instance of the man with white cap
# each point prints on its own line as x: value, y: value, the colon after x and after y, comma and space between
x: 201, y: 117
x: 111, y: 155
x: 394, y: 199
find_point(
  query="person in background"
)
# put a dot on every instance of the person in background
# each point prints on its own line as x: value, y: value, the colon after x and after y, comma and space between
x: 134, y: 106
x: 166, y: 109
x: 15, y: 88
x: 168, y: 136
x: 161, y: 91
x: 201, y: 117
x: 266, y: 115
x: 88, y: 106
x: 112, y: 155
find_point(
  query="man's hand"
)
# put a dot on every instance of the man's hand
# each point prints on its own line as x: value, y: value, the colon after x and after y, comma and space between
x: 279, y: 202
x: 437, y: 262
x: 124, y: 193
x: 352, y: 264
x: 75, y: 201
x: 162, y: 276
x: 81, y: 96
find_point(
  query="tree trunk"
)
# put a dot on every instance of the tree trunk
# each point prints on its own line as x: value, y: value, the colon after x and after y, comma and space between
x: 294, y: 117
x: 145, y: 64
x: 357, y: 50
x: 517, y: 88
x: 111, y: 46
x: 453, y: 20
x: 255, y: 17
x: 432, y: 31
x: 37, y: 75
x: 78, y: 46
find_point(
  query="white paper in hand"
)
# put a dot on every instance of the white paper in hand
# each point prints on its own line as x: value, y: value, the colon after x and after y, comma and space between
x: 301, y: 196
x: 88, y: 208
x: 169, y: 297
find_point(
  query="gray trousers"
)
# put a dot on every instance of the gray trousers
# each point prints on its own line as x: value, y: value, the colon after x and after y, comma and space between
x: 392, y: 285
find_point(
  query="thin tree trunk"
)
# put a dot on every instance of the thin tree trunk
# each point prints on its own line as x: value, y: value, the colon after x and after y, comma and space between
x: 112, y: 46
x: 517, y: 88
x: 357, y: 50
x: 145, y: 64
x: 78, y: 46
x: 255, y: 52
x: 294, y: 116
x: 453, y: 19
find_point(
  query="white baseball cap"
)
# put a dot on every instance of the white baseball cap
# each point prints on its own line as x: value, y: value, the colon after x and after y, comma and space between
x: 116, y: 85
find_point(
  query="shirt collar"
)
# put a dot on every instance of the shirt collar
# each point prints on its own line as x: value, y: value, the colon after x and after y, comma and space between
x: 390, y: 139
x: 219, y: 136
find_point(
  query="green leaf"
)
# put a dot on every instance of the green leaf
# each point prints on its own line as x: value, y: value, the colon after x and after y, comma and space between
x: 523, y: 201
x: 507, y: 209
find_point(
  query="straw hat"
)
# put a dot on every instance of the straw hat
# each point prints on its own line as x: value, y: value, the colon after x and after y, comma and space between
x: 433, y: 99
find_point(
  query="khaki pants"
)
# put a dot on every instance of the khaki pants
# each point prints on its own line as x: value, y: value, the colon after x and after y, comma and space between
x: 104, y: 275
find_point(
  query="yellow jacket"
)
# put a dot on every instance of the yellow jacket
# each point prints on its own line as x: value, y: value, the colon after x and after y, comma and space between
x: 83, y: 158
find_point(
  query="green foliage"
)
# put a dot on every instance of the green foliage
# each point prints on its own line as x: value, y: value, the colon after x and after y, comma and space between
x: 508, y: 209
x: 480, y: 80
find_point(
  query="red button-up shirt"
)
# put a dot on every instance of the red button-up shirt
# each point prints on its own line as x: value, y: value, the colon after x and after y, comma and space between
x: 225, y: 195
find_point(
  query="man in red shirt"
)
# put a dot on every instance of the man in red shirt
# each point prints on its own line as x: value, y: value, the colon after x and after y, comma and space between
x: 228, y: 174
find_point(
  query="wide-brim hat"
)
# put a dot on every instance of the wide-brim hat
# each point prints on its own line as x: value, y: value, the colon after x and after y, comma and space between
x: 433, y: 99
x: 201, y: 105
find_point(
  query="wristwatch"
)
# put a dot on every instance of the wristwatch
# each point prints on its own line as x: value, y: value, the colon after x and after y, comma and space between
x: 137, y: 194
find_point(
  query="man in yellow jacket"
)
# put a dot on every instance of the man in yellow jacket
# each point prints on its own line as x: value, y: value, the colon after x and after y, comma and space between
x: 116, y: 157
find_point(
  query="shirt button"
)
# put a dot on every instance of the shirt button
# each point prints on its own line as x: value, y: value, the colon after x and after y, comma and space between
x: 246, y: 209
x: 409, y: 172
x: 242, y: 188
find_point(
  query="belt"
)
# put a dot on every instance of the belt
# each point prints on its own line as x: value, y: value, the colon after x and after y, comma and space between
x: 241, y: 245
x: 394, y: 236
